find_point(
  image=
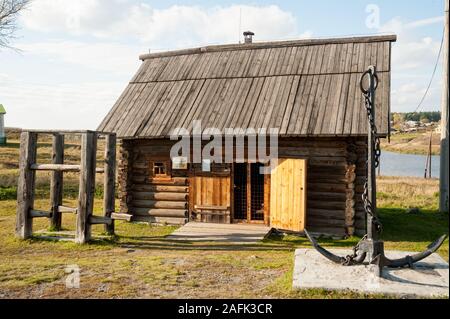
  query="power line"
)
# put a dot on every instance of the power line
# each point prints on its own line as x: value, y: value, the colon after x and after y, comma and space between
x: 432, y: 76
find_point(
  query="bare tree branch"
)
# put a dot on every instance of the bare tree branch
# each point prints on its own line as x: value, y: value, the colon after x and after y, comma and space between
x: 9, y: 12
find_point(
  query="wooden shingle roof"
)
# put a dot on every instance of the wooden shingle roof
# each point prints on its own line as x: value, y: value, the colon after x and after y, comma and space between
x: 303, y: 88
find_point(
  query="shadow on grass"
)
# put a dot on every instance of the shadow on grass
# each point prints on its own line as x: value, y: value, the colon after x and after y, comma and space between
x: 398, y: 225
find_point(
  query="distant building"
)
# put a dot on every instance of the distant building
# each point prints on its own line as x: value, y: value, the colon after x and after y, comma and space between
x: 2, y: 125
x: 412, y: 124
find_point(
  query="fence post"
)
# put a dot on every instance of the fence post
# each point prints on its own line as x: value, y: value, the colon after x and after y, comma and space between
x: 87, y: 186
x: 56, y: 184
x: 25, y: 187
x: 109, y: 180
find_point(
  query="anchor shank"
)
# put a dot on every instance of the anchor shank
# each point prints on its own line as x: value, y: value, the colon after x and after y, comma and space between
x: 371, y: 175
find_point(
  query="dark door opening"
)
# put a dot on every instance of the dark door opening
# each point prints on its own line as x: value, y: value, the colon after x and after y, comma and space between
x: 248, y: 193
x: 257, y: 192
x: 240, y: 191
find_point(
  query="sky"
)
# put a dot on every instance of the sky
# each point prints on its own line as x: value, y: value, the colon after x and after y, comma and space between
x: 75, y: 58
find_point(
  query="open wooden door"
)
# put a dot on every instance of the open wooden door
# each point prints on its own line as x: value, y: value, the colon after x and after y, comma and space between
x: 288, y: 195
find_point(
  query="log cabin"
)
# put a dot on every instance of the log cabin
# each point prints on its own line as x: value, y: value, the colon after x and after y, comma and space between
x: 309, y: 90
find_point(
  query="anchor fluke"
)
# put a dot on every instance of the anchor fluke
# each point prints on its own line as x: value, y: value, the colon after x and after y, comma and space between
x: 334, y: 258
x: 408, y: 261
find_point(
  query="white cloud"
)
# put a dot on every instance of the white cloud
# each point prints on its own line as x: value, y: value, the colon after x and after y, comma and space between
x: 113, y: 58
x: 413, y: 61
x: 172, y: 27
x: 71, y: 106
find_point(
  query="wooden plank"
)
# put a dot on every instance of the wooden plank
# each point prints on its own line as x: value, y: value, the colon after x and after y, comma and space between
x: 86, y: 188
x: 121, y: 216
x: 56, y: 182
x: 65, y: 209
x: 25, y: 185
x: 40, y: 214
x: 184, y: 107
x: 109, y: 191
x: 55, y: 167
x: 281, y: 104
x: 181, y: 213
x: 100, y: 220
x: 343, y: 105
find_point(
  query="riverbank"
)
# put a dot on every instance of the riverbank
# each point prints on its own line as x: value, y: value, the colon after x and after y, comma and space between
x: 413, y: 143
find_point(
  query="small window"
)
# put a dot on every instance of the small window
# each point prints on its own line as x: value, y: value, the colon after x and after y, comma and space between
x: 159, y: 169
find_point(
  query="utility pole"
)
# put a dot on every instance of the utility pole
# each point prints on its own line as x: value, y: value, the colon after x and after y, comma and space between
x: 443, y: 184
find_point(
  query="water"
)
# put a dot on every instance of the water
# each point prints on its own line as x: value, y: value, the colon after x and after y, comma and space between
x: 396, y: 164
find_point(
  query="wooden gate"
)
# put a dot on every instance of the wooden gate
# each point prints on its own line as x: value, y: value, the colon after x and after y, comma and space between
x: 288, y: 195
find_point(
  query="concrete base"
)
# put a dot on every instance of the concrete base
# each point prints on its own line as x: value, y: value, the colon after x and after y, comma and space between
x: 429, y: 278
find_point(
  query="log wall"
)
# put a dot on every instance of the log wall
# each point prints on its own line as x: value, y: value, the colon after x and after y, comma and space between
x: 335, y: 180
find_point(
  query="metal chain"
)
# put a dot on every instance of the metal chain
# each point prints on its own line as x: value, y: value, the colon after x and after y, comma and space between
x: 377, y: 150
x: 350, y: 259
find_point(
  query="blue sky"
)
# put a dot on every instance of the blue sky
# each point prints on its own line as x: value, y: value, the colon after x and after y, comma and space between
x: 77, y: 56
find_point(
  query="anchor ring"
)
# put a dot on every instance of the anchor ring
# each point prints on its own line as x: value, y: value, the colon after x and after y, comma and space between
x: 375, y: 76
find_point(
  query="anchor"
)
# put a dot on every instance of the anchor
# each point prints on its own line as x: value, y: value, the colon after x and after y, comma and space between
x: 371, y: 247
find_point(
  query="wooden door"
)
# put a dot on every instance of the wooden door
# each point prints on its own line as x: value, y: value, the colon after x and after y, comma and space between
x: 288, y: 195
x: 211, y: 198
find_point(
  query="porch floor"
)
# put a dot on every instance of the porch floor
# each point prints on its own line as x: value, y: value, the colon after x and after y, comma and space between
x: 229, y: 233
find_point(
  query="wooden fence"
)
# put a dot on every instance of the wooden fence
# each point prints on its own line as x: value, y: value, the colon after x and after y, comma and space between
x: 87, y: 169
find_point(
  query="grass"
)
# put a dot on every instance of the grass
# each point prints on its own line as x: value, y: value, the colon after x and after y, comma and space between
x: 139, y: 262
x: 412, y: 143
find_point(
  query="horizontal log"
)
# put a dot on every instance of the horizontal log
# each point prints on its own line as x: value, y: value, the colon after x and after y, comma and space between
x: 326, y: 204
x: 324, y: 213
x: 121, y: 216
x: 160, y: 188
x: 159, y: 204
x: 60, y: 168
x: 97, y: 220
x: 159, y: 196
x: 40, y: 214
x: 177, y: 181
x: 325, y: 222
x: 326, y: 196
x: 182, y: 213
x: 161, y: 220
x: 326, y: 187
x: 209, y: 207
x: 65, y: 209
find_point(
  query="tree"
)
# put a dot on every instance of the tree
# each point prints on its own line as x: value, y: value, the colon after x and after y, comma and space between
x: 9, y: 12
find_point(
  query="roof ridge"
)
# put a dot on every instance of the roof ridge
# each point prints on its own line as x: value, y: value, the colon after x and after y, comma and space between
x: 272, y: 44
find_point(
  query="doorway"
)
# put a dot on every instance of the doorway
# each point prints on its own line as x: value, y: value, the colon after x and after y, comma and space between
x: 248, y: 194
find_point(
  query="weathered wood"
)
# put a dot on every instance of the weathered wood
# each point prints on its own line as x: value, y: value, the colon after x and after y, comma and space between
x: 160, y: 196
x: 109, y: 181
x: 40, y: 214
x: 65, y: 209
x: 156, y: 212
x: 25, y: 186
x: 159, y: 204
x: 160, y: 188
x: 161, y: 220
x: 210, y: 207
x: 56, y: 183
x: 121, y: 216
x: 87, y: 187
x: 100, y: 220
x: 60, y: 168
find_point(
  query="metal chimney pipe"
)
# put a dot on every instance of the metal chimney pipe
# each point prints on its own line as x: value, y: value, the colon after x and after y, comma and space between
x: 248, y: 37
